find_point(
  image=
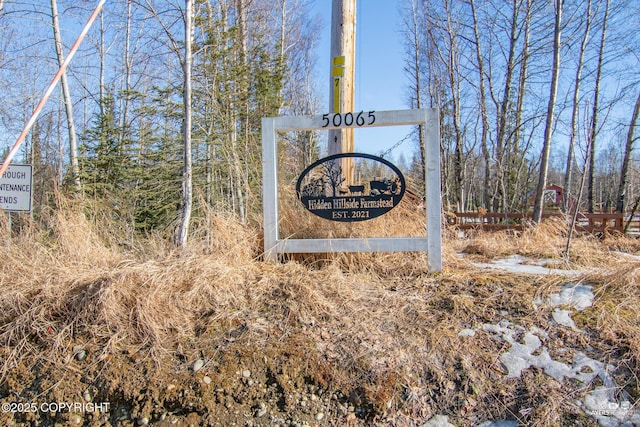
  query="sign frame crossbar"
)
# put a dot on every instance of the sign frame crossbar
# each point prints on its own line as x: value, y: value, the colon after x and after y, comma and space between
x: 431, y: 243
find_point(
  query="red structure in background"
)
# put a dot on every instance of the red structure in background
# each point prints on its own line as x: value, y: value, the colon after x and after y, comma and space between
x: 554, y: 196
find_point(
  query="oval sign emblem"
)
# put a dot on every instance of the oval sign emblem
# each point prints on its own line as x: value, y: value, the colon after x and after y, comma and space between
x: 325, y: 191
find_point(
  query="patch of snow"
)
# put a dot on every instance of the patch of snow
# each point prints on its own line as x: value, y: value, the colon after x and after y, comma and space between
x: 544, y: 262
x: 499, y: 423
x: 467, y: 333
x: 503, y: 330
x: 608, y: 404
x: 536, y: 303
x: 579, y: 297
x: 539, y: 332
x: 515, y: 264
x: 438, y: 421
x: 563, y: 317
x: 627, y: 255
x: 512, y: 259
x: 532, y: 353
x: 601, y: 403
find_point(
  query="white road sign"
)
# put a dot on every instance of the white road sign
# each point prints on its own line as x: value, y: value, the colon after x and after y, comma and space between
x: 15, y: 189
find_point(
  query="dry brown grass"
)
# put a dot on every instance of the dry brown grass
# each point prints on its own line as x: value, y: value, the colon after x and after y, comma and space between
x: 379, y: 328
x: 548, y: 240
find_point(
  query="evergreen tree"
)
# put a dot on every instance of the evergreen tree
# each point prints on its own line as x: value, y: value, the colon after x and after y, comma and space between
x: 103, y: 161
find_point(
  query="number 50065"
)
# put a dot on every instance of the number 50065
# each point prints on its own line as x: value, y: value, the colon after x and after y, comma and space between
x: 349, y: 119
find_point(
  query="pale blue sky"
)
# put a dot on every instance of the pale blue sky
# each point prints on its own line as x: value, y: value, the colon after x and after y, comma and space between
x: 380, y: 80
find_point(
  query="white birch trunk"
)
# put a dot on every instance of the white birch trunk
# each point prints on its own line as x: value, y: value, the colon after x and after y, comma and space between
x: 483, y: 109
x: 73, y: 143
x: 594, y: 117
x: 187, y: 185
x: 627, y: 157
x: 548, y: 130
x: 574, y: 113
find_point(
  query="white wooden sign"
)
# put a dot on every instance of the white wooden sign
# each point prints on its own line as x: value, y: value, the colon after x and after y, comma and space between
x: 16, y: 189
x: 431, y: 243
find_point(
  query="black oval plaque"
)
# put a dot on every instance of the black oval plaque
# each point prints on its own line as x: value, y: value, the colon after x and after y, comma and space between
x: 323, y: 190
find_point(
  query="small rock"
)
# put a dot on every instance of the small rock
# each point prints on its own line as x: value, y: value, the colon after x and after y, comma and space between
x: 197, y: 365
x: 143, y: 421
x: 123, y: 414
x: 262, y: 409
x: 79, y: 352
x: 87, y: 395
x: 206, y: 380
x: 438, y: 421
x: 246, y: 373
x: 319, y: 416
x: 171, y: 387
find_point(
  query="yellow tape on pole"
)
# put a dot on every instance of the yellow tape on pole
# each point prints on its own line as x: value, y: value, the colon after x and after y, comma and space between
x: 337, y: 71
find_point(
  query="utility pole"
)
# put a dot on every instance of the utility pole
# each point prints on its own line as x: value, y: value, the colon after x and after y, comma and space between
x: 341, y: 88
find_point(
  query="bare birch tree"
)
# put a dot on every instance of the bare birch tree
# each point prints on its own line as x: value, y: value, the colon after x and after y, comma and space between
x: 454, y: 74
x: 413, y: 45
x: 413, y: 67
x: 516, y: 161
x: 71, y: 128
x: 444, y: 29
x: 624, y: 171
x: 127, y: 63
x: 484, y: 115
x: 575, y: 108
x: 594, y: 115
x: 187, y: 177
x: 182, y: 234
x: 538, y: 206
x: 503, y: 108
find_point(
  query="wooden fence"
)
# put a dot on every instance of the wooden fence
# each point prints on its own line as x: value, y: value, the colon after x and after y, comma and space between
x: 592, y: 223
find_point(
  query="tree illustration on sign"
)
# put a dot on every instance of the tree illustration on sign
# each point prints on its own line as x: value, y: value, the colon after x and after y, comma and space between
x: 332, y: 171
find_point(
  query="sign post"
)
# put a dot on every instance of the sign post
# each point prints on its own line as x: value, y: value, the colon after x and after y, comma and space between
x: 16, y: 184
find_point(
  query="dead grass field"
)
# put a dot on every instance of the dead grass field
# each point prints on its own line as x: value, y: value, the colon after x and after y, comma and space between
x: 215, y: 336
